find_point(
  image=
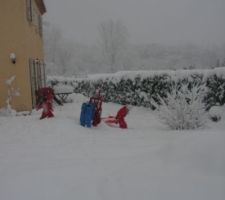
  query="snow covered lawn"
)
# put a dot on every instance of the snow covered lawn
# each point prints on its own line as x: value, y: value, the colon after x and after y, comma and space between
x: 57, y: 159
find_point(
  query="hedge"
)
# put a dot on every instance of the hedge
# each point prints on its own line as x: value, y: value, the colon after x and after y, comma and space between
x: 139, y: 87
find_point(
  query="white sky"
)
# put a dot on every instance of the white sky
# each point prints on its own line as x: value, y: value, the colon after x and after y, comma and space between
x: 148, y: 21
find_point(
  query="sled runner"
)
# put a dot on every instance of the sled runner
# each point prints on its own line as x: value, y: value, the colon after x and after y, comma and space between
x: 111, y: 121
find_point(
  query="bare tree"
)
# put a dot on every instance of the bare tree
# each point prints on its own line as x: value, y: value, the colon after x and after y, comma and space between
x: 113, y: 42
x: 59, y: 52
x: 52, y: 40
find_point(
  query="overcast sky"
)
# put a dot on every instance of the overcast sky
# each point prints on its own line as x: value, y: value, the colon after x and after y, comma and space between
x: 148, y: 21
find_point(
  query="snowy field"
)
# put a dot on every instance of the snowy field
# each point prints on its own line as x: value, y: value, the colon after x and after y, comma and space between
x: 57, y: 159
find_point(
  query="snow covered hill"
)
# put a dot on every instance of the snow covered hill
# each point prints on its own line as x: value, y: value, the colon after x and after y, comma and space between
x: 57, y: 159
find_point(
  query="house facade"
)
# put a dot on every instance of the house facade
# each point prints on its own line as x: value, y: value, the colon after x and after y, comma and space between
x: 22, y: 69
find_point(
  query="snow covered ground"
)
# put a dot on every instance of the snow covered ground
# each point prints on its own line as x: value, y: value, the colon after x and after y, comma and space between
x: 57, y: 159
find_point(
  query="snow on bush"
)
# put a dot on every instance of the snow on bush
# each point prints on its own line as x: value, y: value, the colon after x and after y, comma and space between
x: 140, y: 87
x: 60, y: 88
x: 216, y: 113
x: 183, y: 108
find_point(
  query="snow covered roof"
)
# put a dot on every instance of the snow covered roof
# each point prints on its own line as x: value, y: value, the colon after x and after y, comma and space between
x: 41, y: 6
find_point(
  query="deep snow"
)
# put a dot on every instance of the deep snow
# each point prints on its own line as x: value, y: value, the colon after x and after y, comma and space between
x: 57, y: 159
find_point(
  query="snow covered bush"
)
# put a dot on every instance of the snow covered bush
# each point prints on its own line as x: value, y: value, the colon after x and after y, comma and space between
x: 140, y: 87
x: 60, y: 88
x: 216, y: 113
x: 183, y: 108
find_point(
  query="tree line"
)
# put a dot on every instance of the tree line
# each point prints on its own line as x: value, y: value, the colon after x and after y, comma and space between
x: 113, y: 52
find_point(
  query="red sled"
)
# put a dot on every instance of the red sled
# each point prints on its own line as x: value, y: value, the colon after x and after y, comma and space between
x: 119, y: 119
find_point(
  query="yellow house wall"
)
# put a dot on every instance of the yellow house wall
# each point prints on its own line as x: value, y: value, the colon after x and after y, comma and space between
x: 19, y: 36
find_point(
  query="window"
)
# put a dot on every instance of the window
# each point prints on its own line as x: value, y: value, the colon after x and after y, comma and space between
x: 34, y: 17
x: 37, y: 77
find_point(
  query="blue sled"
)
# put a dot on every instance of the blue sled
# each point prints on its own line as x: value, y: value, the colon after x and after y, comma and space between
x: 86, y: 115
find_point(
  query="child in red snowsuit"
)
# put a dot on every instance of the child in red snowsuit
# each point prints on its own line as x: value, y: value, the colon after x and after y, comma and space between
x: 46, y: 104
x: 47, y: 108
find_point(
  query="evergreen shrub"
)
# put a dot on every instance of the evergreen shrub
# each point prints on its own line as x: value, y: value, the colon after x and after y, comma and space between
x: 139, y: 88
